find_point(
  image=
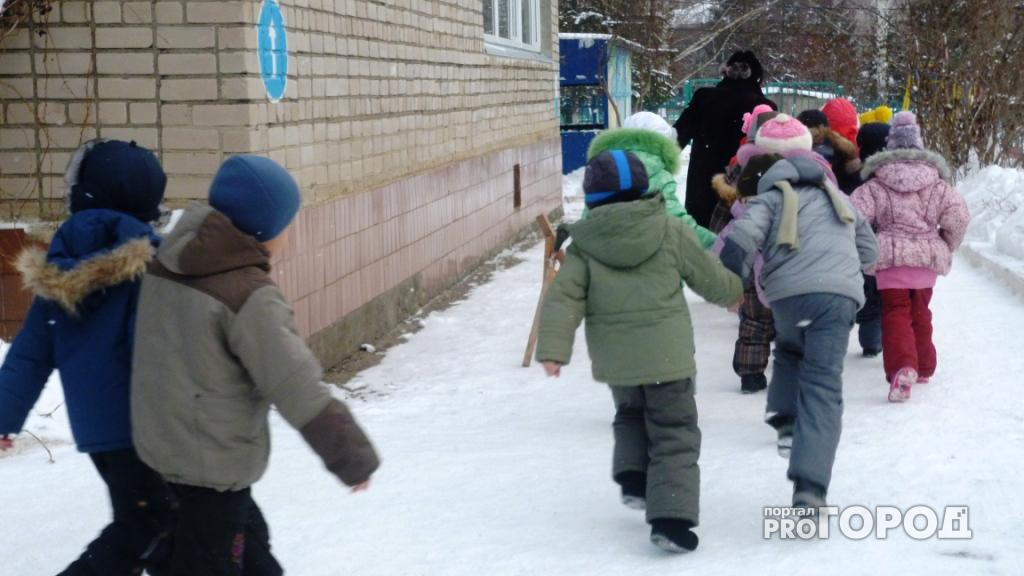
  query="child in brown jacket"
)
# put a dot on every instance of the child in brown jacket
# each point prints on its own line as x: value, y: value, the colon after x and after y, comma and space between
x: 215, y: 347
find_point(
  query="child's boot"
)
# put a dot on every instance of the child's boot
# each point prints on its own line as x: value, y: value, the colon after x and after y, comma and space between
x: 634, y: 489
x: 674, y: 535
x: 784, y: 426
x: 753, y: 383
x: 807, y: 494
x: 902, y: 381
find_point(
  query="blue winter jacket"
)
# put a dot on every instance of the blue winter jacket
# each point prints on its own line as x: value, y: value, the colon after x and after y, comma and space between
x: 81, y: 322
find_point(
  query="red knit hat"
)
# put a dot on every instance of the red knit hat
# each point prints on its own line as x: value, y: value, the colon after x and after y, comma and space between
x: 842, y: 118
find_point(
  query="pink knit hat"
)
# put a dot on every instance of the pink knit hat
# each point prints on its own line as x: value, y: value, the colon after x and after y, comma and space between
x: 782, y: 134
x: 750, y: 117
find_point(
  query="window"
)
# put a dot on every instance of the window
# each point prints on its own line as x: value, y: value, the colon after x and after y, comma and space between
x: 513, y: 23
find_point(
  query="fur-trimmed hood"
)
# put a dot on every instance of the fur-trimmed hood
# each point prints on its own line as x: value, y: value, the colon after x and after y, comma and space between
x: 93, y: 250
x: 635, y: 140
x: 842, y: 145
x: 726, y: 190
x: 908, y: 155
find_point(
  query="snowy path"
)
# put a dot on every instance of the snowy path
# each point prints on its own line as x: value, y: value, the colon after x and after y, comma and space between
x: 491, y: 469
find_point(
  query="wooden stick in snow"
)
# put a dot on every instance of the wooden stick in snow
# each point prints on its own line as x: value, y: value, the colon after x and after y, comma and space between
x: 549, y: 276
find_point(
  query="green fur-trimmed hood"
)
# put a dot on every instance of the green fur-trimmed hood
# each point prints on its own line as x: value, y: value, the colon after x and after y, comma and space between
x: 633, y: 140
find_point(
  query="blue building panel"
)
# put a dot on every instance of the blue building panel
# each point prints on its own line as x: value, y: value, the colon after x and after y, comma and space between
x: 582, y: 60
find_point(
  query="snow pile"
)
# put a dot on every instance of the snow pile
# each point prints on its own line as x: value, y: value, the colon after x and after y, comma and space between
x: 995, y: 196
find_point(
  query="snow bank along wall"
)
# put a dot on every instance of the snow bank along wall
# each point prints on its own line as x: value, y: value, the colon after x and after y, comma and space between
x: 419, y: 149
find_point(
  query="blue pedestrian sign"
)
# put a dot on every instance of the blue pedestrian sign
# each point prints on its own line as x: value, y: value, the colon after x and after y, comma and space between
x: 272, y: 46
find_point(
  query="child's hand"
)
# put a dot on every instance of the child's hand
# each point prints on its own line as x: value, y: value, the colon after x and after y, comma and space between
x: 361, y: 487
x: 736, y: 307
x: 559, y: 256
x: 6, y: 443
x: 552, y: 369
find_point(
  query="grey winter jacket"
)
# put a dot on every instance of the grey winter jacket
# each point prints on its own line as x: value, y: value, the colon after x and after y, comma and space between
x: 831, y: 252
x: 215, y: 347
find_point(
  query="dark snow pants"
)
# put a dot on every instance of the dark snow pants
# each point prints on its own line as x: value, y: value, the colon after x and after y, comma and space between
x: 869, y: 317
x: 138, y: 536
x: 812, y: 334
x: 656, y: 433
x: 221, y: 534
x: 757, y: 330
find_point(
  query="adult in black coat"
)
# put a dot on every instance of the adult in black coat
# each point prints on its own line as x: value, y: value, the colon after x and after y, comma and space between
x: 713, y: 123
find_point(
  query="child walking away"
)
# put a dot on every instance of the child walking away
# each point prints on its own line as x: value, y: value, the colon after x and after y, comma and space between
x: 870, y: 141
x: 86, y: 291
x: 840, y: 151
x: 624, y: 273
x: 757, y: 326
x: 814, y: 246
x: 215, y: 347
x: 920, y: 220
x: 650, y: 138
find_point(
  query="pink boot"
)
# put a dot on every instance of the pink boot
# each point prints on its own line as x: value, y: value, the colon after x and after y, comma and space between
x: 899, y: 388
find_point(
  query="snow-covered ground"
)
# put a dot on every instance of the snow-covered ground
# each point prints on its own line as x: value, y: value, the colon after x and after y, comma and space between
x: 489, y: 468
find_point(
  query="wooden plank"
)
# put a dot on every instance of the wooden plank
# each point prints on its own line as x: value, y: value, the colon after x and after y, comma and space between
x: 550, y: 271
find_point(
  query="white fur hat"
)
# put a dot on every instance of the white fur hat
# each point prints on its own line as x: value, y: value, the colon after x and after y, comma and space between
x: 651, y: 122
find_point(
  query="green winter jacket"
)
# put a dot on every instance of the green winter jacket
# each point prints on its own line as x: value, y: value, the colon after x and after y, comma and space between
x: 624, y: 273
x: 660, y: 157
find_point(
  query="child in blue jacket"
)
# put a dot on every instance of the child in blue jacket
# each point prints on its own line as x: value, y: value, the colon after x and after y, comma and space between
x: 81, y: 322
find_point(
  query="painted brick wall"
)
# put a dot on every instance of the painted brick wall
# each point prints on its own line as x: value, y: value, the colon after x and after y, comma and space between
x: 376, y: 93
x: 402, y: 131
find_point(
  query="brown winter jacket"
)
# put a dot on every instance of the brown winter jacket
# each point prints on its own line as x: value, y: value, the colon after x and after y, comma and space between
x: 215, y: 347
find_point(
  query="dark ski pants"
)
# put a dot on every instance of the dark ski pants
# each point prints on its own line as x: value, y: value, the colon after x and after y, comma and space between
x: 221, y: 534
x: 812, y: 337
x: 656, y: 433
x: 138, y: 536
x: 757, y: 330
x: 869, y: 318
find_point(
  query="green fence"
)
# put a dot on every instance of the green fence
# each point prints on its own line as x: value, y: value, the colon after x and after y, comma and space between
x: 791, y: 97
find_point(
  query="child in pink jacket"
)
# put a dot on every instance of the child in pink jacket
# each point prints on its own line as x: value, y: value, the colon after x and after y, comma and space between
x: 920, y: 221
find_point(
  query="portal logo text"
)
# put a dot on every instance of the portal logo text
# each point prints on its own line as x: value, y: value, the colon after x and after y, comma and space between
x: 858, y: 522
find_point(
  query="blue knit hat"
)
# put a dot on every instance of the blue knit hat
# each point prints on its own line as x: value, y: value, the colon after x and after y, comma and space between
x: 117, y: 175
x: 257, y: 194
x: 614, y: 176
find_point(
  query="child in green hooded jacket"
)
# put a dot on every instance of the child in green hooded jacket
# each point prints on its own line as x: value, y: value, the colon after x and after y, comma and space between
x: 652, y: 140
x: 624, y: 274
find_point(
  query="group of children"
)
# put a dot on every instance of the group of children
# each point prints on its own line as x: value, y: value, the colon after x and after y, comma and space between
x: 171, y: 351
x: 824, y: 224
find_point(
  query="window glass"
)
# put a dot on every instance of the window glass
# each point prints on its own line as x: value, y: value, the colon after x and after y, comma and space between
x: 488, y: 16
x: 503, y: 13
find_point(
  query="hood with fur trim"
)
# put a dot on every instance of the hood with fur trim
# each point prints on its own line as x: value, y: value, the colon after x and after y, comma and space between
x: 93, y: 250
x: 636, y: 140
x: 906, y: 156
x: 725, y: 189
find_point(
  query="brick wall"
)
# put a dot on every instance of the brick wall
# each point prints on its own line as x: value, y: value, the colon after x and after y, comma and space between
x: 389, y: 105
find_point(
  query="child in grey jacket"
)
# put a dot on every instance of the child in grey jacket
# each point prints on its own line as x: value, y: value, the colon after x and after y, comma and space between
x: 215, y: 347
x: 814, y: 245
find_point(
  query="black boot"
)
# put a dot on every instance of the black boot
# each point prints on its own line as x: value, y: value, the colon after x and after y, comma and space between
x: 674, y: 535
x: 807, y: 494
x: 753, y: 383
x: 634, y: 489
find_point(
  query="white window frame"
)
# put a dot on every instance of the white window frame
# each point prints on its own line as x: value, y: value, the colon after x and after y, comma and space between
x: 515, y: 24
